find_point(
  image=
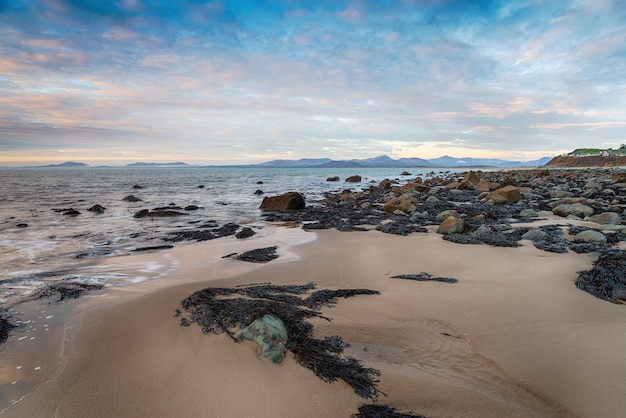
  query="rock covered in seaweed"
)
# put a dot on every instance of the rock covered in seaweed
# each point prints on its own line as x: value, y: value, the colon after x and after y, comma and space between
x: 223, y: 310
x: 270, y: 334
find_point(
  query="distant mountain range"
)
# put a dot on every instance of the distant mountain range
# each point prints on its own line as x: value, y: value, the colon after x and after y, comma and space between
x: 142, y: 164
x: 71, y: 164
x: 386, y: 161
x: 68, y: 164
x: 381, y: 161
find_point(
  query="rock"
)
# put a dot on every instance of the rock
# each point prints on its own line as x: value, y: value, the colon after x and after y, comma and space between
x: 287, y: 201
x: 469, y: 182
x: 158, y: 213
x: 353, y: 179
x: 259, y: 192
x: 418, y: 187
x: 405, y: 203
x: 590, y: 236
x: 131, y: 198
x: 259, y: 182
x: 536, y: 235
x: 22, y: 225
x: 405, y: 173
x: 201, y: 186
x: 386, y: 184
x: 607, y: 218
x: 333, y: 178
x: 71, y: 212
x: 451, y: 225
x: 191, y: 207
x: 141, y: 214
x: 442, y: 216
x: 97, y: 209
x: 260, y: 255
x: 136, y: 186
x: 528, y: 213
x: 482, y: 186
x: 270, y: 334
x: 245, y: 232
x: 577, y: 209
x: 506, y: 194
x: 560, y: 194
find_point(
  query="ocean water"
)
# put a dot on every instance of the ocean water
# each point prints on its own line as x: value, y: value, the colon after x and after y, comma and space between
x: 54, y: 247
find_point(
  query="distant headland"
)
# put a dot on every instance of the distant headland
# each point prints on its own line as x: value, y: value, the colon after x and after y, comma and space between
x: 591, y: 157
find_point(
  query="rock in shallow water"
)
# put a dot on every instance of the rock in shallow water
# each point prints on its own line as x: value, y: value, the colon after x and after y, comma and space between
x: 287, y: 201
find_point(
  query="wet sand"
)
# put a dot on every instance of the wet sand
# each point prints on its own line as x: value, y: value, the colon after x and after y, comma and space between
x: 514, y: 337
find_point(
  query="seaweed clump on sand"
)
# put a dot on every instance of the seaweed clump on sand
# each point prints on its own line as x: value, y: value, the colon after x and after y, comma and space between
x: 229, y: 310
x: 68, y: 290
x: 425, y: 277
x: 6, y: 325
x: 607, y: 278
x: 382, y: 411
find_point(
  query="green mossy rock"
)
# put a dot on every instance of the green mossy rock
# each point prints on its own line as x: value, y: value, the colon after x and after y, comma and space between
x: 270, y: 334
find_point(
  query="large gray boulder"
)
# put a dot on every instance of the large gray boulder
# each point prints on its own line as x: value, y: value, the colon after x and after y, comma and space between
x: 577, y: 209
x: 607, y: 218
x: 287, y: 201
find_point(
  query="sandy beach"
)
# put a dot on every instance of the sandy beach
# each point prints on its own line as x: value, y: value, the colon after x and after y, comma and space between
x: 514, y: 337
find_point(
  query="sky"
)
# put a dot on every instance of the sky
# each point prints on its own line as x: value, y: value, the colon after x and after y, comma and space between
x: 247, y: 81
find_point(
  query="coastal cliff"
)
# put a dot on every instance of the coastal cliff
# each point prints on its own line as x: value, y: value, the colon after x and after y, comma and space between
x: 587, y: 161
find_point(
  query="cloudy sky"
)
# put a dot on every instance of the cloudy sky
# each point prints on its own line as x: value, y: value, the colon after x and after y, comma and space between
x: 246, y: 81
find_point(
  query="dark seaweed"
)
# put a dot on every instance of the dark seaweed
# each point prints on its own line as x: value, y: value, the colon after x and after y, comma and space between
x: 220, y: 310
x: 6, y: 325
x: 260, y: 255
x: 424, y: 277
x: 382, y: 411
x: 68, y: 290
x: 607, y: 278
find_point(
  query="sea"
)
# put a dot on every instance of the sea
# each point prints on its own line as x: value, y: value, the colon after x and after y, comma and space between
x: 40, y: 244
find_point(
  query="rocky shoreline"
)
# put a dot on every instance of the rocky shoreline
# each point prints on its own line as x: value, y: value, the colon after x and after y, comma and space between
x: 473, y: 207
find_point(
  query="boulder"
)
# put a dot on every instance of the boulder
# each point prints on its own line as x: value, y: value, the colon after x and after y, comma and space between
x: 97, y: 209
x: 577, y: 209
x: 385, y: 184
x: 71, y: 212
x: 192, y: 207
x: 286, y: 201
x: 482, y: 186
x: 528, y: 213
x: 405, y: 203
x: 536, y: 235
x: 259, y: 192
x: 131, y: 198
x: 270, y: 334
x: 469, y: 182
x: 442, y: 216
x: 506, y: 194
x: 451, y: 225
x: 354, y: 179
x: 333, y: 178
x: 590, y: 236
x: 607, y: 218
x: 418, y: 187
